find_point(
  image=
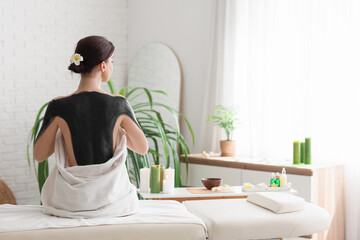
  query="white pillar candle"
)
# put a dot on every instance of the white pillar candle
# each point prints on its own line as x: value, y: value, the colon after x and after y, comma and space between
x: 144, y: 179
x: 169, y: 178
x: 169, y: 174
x: 168, y: 186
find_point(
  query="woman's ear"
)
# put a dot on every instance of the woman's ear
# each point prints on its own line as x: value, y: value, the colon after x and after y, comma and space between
x: 102, y: 66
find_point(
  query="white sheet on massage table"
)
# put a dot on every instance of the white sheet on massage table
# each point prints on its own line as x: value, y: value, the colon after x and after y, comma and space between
x: 30, y: 217
x: 164, y: 231
x: 239, y: 219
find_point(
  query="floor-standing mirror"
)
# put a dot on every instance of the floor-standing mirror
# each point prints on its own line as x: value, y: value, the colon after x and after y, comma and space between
x: 156, y: 67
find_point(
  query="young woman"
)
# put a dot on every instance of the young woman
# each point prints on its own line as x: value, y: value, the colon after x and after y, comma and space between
x: 89, y: 122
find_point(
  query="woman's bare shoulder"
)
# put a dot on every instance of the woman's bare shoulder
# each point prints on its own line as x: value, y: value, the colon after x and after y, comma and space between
x: 76, y: 93
x: 59, y: 97
x: 116, y: 95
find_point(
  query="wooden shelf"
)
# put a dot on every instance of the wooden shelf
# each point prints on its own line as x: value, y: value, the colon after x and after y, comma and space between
x: 236, y: 162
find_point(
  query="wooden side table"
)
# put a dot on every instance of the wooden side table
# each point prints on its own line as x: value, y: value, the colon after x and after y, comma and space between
x: 181, y: 194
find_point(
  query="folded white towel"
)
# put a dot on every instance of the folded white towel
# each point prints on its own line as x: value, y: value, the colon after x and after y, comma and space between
x: 277, y: 202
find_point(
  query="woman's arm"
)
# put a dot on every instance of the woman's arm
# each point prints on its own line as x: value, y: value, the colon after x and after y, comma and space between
x: 136, y: 140
x: 45, y: 140
x: 45, y: 143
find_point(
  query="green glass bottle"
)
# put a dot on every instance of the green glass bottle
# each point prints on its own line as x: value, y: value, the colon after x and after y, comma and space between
x: 277, y: 180
x: 272, y: 180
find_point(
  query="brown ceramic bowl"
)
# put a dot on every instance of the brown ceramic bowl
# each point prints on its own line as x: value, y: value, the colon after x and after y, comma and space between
x: 209, y: 183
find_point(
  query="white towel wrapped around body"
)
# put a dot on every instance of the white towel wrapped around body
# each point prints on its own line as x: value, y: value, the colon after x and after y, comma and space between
x: 96, y: 190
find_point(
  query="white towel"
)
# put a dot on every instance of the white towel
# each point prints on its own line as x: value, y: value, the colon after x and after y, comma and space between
x: 89, y: 191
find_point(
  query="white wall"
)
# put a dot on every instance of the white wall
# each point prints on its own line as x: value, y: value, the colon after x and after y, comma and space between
x: 184, y: 26
x: 37, y: 38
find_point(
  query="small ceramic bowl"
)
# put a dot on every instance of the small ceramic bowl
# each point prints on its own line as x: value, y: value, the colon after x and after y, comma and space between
x: 209, y: 183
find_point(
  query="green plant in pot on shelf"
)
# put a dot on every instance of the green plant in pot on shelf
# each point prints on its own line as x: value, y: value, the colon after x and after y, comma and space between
x: 155, y: 129
x: 226, y: 118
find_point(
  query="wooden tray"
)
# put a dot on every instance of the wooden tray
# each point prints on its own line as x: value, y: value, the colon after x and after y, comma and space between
x: 267, y: 189
x: 202, y: 190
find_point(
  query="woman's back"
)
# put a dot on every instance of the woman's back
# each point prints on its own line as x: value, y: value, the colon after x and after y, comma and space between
x: 91, y: 190
x: 91, y: 118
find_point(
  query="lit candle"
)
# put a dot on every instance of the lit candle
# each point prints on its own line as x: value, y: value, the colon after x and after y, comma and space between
x: 302, y: 152
x: 169, y: 178
x: 155, y: 179
x: 144, y: 180
x: 296, y: 152
x: 307, y: 150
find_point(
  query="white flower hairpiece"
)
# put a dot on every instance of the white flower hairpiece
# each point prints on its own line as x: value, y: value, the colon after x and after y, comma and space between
x: 76, y: 59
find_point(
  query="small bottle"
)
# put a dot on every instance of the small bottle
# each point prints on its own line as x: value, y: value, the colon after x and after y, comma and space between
x: 272, y: 180
x: 277, y: 180
x: 283, y: 178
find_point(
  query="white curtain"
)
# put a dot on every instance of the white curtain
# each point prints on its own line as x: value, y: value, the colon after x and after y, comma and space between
x: 296, y: 66
x: 295, y: 73
x: 220, y: 70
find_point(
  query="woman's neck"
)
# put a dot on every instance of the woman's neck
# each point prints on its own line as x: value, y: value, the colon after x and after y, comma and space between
x: 90, y: 82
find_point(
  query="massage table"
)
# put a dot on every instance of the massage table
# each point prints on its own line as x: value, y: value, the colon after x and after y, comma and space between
x: 221, y: 219
x: 238, y: 219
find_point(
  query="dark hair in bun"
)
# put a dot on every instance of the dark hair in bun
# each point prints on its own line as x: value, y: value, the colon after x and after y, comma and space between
x: 94, y: 50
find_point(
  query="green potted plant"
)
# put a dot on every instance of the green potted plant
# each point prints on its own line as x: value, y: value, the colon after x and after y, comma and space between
x: 226, y: 118
x: 155, y: 129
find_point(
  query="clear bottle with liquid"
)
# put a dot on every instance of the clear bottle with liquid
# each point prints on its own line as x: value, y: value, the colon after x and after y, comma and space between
x: 283, y: 178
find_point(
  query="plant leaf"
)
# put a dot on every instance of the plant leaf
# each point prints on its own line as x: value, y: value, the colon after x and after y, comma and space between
x: 111, y: 86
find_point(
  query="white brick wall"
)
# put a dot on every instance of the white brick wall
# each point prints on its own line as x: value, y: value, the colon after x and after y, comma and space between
x: 37, y: 38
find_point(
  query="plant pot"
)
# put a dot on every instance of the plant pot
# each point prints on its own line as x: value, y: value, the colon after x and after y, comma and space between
x: 227, y: 148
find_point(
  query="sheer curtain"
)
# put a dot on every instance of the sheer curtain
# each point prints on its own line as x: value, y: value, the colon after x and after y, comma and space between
x: 295, y: 73
x: 220, y: 74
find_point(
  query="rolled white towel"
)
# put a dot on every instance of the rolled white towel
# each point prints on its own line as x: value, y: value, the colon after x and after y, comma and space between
x: 277, y: 202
